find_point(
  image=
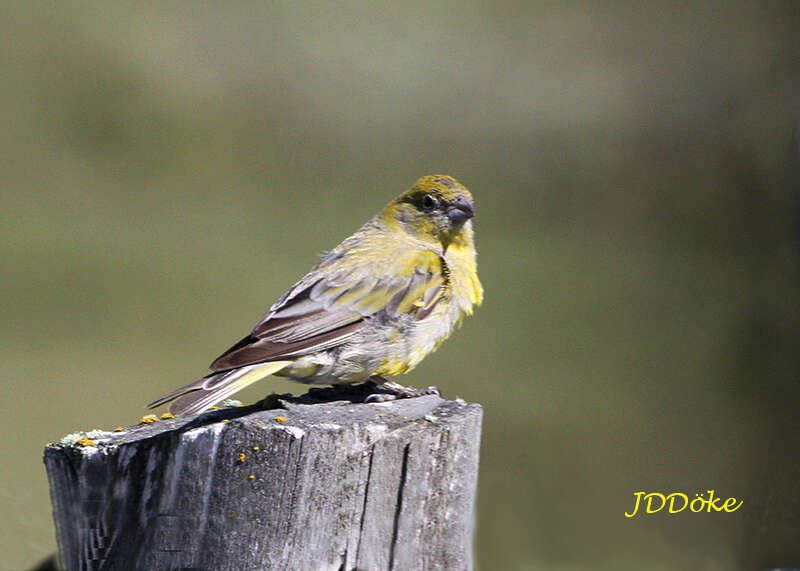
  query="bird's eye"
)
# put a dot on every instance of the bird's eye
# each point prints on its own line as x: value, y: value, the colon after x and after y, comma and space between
x: 428, y: 202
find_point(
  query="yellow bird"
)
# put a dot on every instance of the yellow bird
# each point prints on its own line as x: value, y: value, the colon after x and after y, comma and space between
x: 371, y: 308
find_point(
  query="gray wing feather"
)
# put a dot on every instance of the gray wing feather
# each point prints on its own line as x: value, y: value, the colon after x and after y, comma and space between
x: 323, y: 312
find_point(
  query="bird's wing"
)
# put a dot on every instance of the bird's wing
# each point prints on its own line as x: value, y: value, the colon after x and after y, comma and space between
x: 329, y: 305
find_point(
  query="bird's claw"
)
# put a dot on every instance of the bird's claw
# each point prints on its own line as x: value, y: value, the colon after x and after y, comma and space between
x: 398, y: 391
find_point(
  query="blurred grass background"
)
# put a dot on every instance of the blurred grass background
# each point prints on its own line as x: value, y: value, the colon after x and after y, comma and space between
x: 169, y: 169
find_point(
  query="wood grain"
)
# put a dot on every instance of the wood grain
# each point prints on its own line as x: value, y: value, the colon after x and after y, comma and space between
x: 336, y: 485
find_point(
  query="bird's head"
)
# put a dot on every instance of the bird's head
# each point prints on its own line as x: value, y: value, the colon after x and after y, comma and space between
x: 437, y: 208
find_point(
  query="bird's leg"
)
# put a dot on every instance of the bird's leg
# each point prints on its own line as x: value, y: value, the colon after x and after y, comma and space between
x: 397, y: 391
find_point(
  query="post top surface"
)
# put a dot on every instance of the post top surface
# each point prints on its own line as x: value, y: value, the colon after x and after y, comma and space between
x: 314, y: 410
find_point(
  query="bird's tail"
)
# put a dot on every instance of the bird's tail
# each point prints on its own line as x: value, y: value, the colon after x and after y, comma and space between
x: 204, y: 393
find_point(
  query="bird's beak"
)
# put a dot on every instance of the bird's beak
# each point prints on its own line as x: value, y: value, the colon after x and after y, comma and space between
x: 460, y: 210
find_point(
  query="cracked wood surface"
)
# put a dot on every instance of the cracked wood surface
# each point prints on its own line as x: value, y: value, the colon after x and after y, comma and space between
x: 336, y: 485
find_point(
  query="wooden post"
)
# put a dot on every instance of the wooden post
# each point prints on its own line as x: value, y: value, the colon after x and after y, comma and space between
x: 331, y: 485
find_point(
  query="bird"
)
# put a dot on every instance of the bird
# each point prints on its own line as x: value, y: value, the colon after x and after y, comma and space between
x: 371, y: 308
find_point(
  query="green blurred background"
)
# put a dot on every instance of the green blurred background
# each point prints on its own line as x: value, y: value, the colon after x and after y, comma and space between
x: 169, y: 169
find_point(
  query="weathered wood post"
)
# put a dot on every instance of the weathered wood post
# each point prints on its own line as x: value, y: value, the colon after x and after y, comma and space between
x: 330, y: 485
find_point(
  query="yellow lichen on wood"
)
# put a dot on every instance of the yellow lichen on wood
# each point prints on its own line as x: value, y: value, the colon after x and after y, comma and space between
x: 167, y: 415
x: 148, y: 419
x: 118, y: 429
x: 256, y: 448
x: 281, y: 419
x: 241, y: 457
x: 85, y: 442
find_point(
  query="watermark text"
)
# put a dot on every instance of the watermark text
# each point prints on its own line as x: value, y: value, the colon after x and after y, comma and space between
x: 676, y: 502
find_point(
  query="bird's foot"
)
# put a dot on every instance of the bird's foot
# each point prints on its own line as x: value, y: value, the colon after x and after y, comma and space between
x: 397, y: 391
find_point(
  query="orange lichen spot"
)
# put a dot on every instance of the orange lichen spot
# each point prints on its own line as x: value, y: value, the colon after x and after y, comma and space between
x: 148, y: 419
x: 281, y: 418
x: 213, y: 408
x: 256, y: 448
x: 382, y: 415
x: 251, y: 477
x: 118, y: 429
x: 241, y: 457
x: 167, y: 415
x: 85, y: 442
x: 225, y: 420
